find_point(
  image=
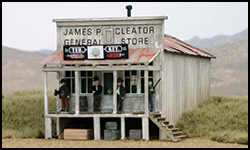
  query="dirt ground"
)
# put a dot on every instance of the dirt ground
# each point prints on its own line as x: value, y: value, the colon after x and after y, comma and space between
x: 60, y: 143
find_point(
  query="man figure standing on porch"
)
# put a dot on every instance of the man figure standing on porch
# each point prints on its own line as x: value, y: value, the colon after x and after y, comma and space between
x: 97, y: 89
x: 151, y: 91
x: 121, y: 91
x: 64, y: 95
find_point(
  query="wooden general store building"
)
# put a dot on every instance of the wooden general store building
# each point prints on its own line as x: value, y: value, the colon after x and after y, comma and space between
x: 184, y: 71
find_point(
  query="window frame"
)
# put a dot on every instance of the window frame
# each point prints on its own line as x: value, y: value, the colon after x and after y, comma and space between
x: 71, y: 77
x: 139, y: 81
x: 150, y: 78
x: 133, y: 81
x: 88, y: 78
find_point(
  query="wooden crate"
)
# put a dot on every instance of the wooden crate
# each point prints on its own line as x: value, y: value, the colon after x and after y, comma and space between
x: 78, y: 134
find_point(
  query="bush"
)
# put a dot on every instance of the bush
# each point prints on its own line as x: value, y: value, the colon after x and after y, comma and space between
x: 222, y: 118
x: 23, y: 113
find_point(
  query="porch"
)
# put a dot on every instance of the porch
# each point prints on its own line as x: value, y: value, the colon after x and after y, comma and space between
x: 76, y: 72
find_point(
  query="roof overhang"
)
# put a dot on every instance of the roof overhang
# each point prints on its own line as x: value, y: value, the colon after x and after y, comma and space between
x: 174, y: 45
x: 139, y: 56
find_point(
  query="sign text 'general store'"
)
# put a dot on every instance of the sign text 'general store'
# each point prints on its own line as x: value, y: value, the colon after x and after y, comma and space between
x: 137, y: 35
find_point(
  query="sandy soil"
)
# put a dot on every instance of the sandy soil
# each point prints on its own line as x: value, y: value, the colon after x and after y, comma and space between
x: 60, y: 143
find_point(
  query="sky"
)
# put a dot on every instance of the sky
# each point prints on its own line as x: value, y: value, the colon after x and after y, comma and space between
x: 28, y: 25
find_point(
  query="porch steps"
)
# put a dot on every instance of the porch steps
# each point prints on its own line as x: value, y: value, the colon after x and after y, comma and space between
x: 169, y: 129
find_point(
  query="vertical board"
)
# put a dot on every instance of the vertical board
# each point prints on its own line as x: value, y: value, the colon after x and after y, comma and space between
x: 187, y: 84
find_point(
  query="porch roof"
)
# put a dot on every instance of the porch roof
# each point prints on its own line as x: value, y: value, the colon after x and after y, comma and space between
x: 136, y: 56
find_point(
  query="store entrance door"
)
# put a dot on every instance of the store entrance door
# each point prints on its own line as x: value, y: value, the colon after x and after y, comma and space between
x: 107, y: 97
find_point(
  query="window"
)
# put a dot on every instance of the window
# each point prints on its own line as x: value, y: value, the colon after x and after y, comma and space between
x: 86, y: 81
x: 131, y: 81
x: 150, y: 78
x: 70, y: 80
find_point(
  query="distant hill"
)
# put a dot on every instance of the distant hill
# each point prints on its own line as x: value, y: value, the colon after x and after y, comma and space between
x: 219, y: 39
x: 22, y: 70
x: 230, y: 68
x: 45, y: 51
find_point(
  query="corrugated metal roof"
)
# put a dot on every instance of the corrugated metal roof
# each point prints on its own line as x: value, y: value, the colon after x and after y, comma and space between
x: 139, y: 55
x: 172, y: 44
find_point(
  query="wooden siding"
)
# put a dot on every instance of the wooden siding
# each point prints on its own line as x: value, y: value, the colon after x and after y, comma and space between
x: 187, y: 83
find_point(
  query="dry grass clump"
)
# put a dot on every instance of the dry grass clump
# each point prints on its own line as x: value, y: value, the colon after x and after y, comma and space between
x: 23, y: 113
x: 222, y: 118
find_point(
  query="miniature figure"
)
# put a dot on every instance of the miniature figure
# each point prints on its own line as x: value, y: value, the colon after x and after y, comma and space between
x: 63, y: 94
x: 121, y: 91
x: 151, y: 91
x: 97, y: 89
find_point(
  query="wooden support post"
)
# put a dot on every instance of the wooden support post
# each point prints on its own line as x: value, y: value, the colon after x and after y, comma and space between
x: 145, y: 127
x: 97, y: 128
x: 77, y: 91
x: 146, y: 92
x: 48, y: 128
x: 139, y: 82
x: 114, y: 92
x: 58, y: 106
x: 123, y: 128
x: 46, y: 99
x: 58, y: 103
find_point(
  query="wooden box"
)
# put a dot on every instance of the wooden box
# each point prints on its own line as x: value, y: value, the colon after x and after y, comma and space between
x: 111, y: 135
x: 78, y: 134
x: 135, y: 134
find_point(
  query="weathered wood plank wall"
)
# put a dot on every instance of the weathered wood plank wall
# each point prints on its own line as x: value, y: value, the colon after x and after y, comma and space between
x: 187, y: 84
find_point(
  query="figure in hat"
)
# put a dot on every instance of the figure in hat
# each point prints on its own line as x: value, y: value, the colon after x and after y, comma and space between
x: 121, y: 91
x: 64, y: 95
x: 151, y: 91
x: 97, y: 89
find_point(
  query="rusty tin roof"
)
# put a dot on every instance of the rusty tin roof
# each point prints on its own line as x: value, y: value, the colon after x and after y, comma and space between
x: 139, y: 55
x: 172, y: 44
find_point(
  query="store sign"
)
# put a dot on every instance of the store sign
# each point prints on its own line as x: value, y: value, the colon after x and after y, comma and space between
x: 81, y: 52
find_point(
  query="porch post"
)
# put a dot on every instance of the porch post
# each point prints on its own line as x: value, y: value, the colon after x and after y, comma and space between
x: 58, y: 86
x: 46, y: 100
x: 145, y: 127
x: 97, y: 128
x: 48, y: 128
x: 123, y: 128
x: 114, y: 92
x: 58, y: 104
x: 146, y: 92
x: 145, y: 122
x: 77, y: 92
